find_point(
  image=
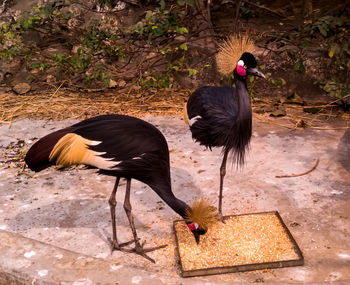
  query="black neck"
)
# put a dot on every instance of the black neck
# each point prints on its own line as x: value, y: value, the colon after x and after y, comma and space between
x: 238, y: 78
x: 245, y: 109
x: 165, y: 192
x: 243, y: 125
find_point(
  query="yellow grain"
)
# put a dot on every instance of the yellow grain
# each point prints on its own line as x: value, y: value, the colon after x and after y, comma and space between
x: 245, y: 239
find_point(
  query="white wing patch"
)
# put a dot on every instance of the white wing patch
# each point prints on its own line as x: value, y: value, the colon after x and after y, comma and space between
x: 95, y: 142
x: 194, y: 119
x: 138, y: 157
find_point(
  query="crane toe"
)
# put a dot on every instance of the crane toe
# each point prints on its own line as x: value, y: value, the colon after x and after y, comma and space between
x: 142, y: 251
x: 116, y: 246
x: 138, y: 249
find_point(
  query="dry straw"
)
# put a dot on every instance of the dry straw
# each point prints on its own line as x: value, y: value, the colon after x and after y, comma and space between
x: 230, y: 52
x: 67, y: 104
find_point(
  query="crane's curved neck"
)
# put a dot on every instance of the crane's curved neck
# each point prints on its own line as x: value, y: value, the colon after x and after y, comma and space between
x: 243, y: 124
x: 238, y: 79
x: 164, y: 191
x: 245, y: 109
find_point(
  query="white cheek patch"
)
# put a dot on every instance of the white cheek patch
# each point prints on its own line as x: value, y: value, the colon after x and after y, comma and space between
x: 240, y: 63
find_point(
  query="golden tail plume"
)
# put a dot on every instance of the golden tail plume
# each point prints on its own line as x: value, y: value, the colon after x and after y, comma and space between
x: 74, y: 149
x: 202, y: 213
x: 70, y: 149
x: 230, y: 52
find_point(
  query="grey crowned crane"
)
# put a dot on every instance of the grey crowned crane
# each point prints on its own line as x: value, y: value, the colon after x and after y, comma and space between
x: 121, y: 146
x: 222, y: 116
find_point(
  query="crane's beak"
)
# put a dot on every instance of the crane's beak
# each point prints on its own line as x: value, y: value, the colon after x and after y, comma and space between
x: 196, y: 236
x: 254, y: 72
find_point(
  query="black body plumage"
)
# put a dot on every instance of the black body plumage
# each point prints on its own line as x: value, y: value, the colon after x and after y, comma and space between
x: 120, y: 146
x: 138, y: 148
x: 225, y: 118
x: 222, y: 116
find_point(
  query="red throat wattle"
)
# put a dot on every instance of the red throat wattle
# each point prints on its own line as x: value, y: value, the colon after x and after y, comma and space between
x: 192, y: 226
x: 241, y: 70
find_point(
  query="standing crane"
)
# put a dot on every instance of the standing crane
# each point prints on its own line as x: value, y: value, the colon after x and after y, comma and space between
x: 222, y: 116
x: 121, y: 146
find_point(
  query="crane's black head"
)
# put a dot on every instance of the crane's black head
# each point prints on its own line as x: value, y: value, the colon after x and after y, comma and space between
x: 200, y: 217
x: 196, y: 230
x: 247, y: 66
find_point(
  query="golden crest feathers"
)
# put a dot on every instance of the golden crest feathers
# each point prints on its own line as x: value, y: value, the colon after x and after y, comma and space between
x: 202, y: 213
x: 230, y: 52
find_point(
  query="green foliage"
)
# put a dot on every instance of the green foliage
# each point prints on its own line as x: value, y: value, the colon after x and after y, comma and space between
x: 332, y: 34
x: 252, y: 88
x: 192, y: 71
x: 98, y: 40
x: 68, y: 63
x: 336, y: 89
x: 155, y: 81
x: 29, y: 22
x: 184, y: 2
x: 10, y: 43
x: 334, y: 30
x: 277, y: 82
x: 97, y: 75
x: 40, y: 65
x: 158, y: 23
x: 11, y: 33
x: 246, y: 10
x: 105, y: 2
x: 326, y: 25
x: 89, y: 56
x: 297, y: 60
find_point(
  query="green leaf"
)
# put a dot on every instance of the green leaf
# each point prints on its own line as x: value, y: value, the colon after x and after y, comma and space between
x: 162, y: 5
x: 192, y: 72
x: 183, y: 47
x: 323, y: 31
x: 182, y: 30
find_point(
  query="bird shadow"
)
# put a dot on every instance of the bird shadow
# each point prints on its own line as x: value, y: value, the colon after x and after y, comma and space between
x: 95, y: 213
x: 343, y: 151
x: 87, y: 213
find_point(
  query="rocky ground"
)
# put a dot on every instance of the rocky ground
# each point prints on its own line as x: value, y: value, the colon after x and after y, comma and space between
x: 64, y: 215
x: 54, y: 225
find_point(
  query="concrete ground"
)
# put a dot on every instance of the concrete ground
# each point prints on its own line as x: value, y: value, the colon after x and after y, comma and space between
x: 54, y: 226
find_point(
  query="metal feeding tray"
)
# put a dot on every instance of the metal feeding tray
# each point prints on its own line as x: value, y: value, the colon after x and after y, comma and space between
x: 244, y: 242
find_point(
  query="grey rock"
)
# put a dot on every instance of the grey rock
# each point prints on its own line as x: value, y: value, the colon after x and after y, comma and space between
x: 21, y: 88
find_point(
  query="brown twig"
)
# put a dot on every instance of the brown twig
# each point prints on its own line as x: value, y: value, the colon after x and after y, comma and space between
x: 264, y: 8
x: 329, y: 104
x: 301, y: 174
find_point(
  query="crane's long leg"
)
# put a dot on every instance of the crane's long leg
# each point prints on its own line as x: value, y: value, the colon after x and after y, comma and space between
x: 112, y: 204
x: 127, y: 207
x: 222, y: 175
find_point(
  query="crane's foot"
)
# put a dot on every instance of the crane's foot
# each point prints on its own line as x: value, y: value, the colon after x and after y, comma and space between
x: 119, y: 246
x: 142, y: 251
x: 221, y: 218
x: 138, y: 249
